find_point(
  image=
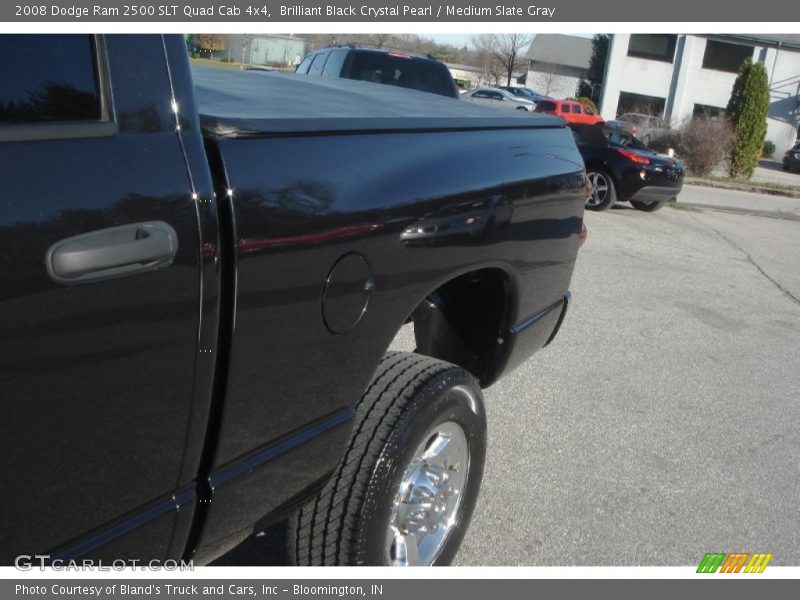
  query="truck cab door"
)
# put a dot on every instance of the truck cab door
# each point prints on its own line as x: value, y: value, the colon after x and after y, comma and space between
x: 99, y: 302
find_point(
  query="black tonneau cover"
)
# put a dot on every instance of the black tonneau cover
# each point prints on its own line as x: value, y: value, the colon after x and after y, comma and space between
x: 256, y: 103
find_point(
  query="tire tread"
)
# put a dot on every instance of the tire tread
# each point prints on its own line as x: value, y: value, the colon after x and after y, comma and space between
x: 325, y: 527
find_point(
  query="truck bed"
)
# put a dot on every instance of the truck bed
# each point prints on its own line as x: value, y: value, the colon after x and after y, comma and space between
x: 258, y: 103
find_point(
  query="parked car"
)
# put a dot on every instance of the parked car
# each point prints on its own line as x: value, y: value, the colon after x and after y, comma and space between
x: 523, y: 92
x: 621, y: 168
x: 200, y: 284
x: 499, y: 98
x: 392, y: 67
x: 624, y: 126
x: 791, y: 159
x: 647, y: 128
x: 569, y: 110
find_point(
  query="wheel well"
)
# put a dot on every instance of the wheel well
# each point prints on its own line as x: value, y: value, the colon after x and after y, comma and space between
x: 465, y: 322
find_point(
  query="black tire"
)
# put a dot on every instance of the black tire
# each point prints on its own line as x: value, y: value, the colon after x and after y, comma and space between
x: 604, y: 193
x: 648, y: 206
x: 348, y: 522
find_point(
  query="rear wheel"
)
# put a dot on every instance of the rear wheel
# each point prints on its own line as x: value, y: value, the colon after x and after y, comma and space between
x: 405, y: 490
x: 603, y: 194
x: 647, y: 206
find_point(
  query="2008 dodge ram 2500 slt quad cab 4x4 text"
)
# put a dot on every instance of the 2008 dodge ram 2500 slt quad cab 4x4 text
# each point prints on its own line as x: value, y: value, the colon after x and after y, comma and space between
x: 202, y: 273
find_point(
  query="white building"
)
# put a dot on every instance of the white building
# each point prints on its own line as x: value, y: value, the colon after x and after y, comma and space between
x: 557, y: 64
x: 267, y: 49
x: 679, y: 76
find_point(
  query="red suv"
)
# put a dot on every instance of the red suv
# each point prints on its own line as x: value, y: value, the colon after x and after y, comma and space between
x: 570, y: 110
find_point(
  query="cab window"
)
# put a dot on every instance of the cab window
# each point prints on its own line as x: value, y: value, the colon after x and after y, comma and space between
x: 48, y: 78
x: 315, y: 68
x: 333, y: 66
x: 302, y: 68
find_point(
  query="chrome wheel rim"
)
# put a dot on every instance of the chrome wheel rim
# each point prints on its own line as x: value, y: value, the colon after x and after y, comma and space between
x: 425, y: 507
x: 599, y: 189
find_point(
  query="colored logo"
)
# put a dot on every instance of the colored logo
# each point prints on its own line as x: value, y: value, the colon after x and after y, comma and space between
x: 736, y: 562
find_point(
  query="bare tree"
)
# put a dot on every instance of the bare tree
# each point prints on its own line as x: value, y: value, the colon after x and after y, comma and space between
x: 485, y: 55
x: 508, y: 49
x: 246, y: 38
x: 406, y: 41
x: 379, y: 39
x: 322, y: 40
x: 545, y: 78
x: 548, y: 77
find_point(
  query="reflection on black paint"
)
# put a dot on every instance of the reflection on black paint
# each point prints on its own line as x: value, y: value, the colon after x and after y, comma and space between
x: 52, y: 101
x: 145, y: 120
x: 469, y: 222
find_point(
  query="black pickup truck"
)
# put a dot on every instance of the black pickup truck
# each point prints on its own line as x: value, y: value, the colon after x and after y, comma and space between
x: 201, y: 276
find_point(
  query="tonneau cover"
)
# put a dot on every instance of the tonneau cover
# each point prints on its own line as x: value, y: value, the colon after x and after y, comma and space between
x: 247, y: 103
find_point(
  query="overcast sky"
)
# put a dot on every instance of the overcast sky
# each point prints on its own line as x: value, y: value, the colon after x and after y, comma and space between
x: 461, y: 40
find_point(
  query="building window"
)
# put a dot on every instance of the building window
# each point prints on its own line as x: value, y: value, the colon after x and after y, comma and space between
x: 705, y: 110
x: 722, y: 56
x: 640, y: 104
x: 653, y: 46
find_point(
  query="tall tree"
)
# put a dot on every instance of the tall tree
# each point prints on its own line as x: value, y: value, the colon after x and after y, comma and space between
x: 747, y: 111
x: 590, y: 87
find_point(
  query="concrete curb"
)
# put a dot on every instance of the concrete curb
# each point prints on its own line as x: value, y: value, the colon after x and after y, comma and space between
x: 753, y: 188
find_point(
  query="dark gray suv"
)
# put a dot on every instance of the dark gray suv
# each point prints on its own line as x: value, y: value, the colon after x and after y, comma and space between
x: 391, y: 67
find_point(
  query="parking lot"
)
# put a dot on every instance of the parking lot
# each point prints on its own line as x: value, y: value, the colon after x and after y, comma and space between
x: 663, y: 421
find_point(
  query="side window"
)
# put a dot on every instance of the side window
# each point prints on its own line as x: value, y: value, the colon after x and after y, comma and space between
x: 614, y: 137
x: 333, y: 66
x: 480, y: 94
x: 48, y: 78
x: 576, y: 108
x: 496, y: 96
x: 564, y: 108
x: 302, y: 68
x: 316, y: 65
